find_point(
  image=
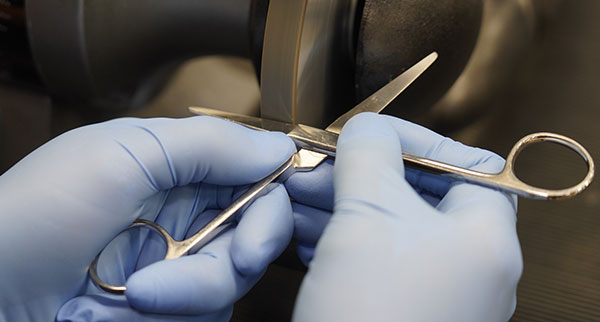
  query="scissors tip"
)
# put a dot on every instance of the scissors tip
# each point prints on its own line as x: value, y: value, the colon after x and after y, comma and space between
x: 200, y: 110
x: 428, y: 60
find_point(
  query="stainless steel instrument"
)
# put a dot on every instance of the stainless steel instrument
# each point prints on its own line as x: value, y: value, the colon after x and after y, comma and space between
x: 314, y: 145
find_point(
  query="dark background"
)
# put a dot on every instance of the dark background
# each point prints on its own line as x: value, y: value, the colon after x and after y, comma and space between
x: 554, y: 86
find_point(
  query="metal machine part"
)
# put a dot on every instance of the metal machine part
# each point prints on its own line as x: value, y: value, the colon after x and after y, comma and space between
x: 306, y: 64
x: 116, y: 54
x: 306, y: 74
x: 314, y: 47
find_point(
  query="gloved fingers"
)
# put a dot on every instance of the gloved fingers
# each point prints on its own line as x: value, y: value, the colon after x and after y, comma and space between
x: 313, y: 188
x: 485, y: 221
x: 472, y: 199
x: 175, y: 152
x: 468, y: 201
x: 368, y: 168
x: 106, y: 307
x: 309, y: 223
x: 140, y: 246
x: 263, y: 232
x: 458, y: 197
x: 200, y: 283
x: 183, y: 206
x: 426, y: 143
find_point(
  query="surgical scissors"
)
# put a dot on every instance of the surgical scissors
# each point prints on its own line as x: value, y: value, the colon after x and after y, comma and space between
x: 315, y: 145
x: 302, y: 160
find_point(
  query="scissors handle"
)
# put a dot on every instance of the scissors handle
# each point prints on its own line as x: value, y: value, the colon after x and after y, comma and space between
x: 176, y: 249
x: 506, y: 179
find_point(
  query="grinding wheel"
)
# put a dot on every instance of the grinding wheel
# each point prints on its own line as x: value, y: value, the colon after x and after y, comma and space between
x: 306, y: 68
x: 343, y: 49
x: 320, y: 57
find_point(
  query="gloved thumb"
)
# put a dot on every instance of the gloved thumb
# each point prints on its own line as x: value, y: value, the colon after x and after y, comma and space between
x: 369, y: 169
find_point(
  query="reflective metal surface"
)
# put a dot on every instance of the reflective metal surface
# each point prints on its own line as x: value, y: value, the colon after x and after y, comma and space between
x: 306, y: 72
x: 279, y: 67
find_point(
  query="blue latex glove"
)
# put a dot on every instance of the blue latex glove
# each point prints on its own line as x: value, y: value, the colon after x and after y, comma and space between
x: 405, y: 246
x: 64, y: 202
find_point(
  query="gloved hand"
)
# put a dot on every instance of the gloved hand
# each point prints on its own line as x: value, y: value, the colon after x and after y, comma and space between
x: 405, y: 246
x: 64, y: 202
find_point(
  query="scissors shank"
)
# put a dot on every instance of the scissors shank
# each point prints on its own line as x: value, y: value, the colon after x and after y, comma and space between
x: 176, y: 249
x: 436, y: 167
x: 506, y: 180
x: 498, y: 181
x: 248, y: 196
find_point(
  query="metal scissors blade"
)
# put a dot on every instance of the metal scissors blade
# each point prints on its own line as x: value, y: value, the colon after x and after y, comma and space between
x: 325, y: 140
x: 385, y: 95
